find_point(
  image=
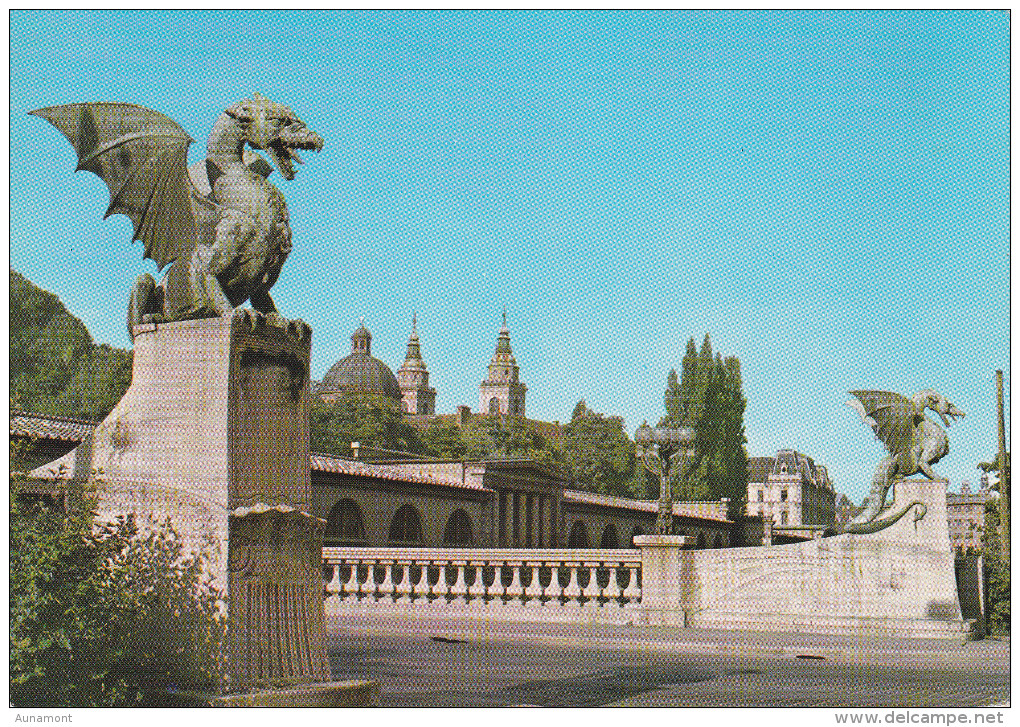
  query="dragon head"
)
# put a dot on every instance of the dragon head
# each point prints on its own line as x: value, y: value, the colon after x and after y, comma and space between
x: 933, y: 400
x: 275, y: 129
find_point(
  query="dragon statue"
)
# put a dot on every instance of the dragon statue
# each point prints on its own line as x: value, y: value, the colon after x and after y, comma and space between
x: 914, y: 443
x: 221, y: 226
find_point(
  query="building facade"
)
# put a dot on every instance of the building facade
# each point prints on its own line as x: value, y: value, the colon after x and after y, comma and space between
x: 967, y: 517
x: 511, y: 503
x: 790, y: 489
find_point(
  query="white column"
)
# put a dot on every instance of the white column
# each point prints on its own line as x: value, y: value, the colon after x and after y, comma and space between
x: 476, y: 590
x: 514, y: 591
x: 612, y: 591
x: 534, y: 589
x: 385, y: 589
x: 592, y: 590
x: 572, y: 591
x: 404, y: 589
x: 459, y: 588
x: 352, y: 588
x: 333, y: 586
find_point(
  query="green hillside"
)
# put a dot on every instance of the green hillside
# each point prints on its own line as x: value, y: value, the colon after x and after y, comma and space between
x: 55, y: 367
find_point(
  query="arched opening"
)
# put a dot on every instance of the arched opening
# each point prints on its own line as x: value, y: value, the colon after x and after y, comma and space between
x: 638, y: 530
x: 345, y: 525
x: 458, y: 530
x: 701, y: 541
x: 578, y: 536
x: 494, y: 405
x: 405, y: 528
x: 610, y: 539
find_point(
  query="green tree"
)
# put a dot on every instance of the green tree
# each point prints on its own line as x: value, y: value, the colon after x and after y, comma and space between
x: 673, y: 399
x: 443, y: 439
x: 709, y: 397
x: 995, y: 548
x: 598, y: 452
x: 370, y: 420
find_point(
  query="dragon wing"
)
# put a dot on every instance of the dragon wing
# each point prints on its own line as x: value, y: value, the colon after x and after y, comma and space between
x: 892, y: 417
x: 142, y: 157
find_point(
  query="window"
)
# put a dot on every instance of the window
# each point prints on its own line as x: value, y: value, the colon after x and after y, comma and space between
x: 494, y: 405
x: 458, y: 530
x: 405, y: 528
x: 761, y: 495
x: 578, y: 536
x: 609, y: 537
x: 345, y: 524
x: 638, y: 530
x: 782, y: 495
x: 783, y: 518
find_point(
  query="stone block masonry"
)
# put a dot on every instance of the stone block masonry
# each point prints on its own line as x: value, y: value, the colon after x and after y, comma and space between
x: 213, y: 436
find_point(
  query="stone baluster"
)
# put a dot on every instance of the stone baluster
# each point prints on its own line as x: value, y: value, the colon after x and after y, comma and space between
x: 352, y: 588
x: 592, y: 591
x: 333, y: 586
x: 476, y: 591
x: 612, y: 591
x: 633, y: 590
x: 405, y: 589
x: 514, y: 591
x: 534, y: 590
x: 419, y: 586
x: 442, y: 587
x: 384, y: 590
x: 554, y: 591
x: 572, y: 591
x: 459, y: 589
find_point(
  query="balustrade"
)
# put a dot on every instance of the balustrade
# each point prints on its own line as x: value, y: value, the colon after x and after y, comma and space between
x: 550, y: 581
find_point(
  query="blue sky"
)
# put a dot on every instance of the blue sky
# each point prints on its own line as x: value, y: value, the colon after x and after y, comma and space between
x: 825, y: 193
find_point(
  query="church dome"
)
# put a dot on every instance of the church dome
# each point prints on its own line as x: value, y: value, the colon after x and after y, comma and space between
x: 359, y: 373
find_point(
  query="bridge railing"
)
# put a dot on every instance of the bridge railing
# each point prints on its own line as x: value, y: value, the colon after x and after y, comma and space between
x: 536, y: 584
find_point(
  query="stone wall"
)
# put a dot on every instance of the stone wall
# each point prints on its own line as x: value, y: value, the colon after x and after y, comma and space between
x: 898, y: 581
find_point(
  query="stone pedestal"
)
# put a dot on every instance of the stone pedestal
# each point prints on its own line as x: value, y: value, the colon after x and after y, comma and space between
x: 213, y: 436
x: 661, y: 562
x: 898, y: 581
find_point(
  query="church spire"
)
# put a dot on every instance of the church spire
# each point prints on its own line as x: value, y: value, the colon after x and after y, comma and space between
x: 417, y: 396
x: 502, y: 392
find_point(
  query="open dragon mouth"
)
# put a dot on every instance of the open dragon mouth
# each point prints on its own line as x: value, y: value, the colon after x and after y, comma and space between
x: 283, y: 149
x: 951, y: 415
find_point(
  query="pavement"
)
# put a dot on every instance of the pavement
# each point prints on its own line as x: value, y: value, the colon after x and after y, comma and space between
x: 457, y: 662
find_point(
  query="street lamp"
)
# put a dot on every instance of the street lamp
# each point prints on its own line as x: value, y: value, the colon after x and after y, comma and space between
x: 658, y: 449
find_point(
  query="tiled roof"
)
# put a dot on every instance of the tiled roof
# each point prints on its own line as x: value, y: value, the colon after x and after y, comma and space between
x: 758, y: 468
x: 327, y: 463
x: 38, y: 426
x: 593, y: 498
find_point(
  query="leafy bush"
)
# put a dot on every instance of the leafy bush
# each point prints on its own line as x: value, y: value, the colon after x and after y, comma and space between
x: 101, y: 614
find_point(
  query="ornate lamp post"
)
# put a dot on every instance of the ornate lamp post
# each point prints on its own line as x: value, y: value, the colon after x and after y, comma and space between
x: 658, y: 449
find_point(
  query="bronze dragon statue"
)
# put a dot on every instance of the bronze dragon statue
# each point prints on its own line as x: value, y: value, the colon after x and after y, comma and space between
x: 914, y: 443
x: 221, y: 226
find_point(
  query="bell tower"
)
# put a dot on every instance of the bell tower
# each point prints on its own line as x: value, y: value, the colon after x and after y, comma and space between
x: 417, y: 397
x: 502, y: 392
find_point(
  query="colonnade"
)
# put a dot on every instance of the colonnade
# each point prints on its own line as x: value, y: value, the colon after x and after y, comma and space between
x: 527, y: 519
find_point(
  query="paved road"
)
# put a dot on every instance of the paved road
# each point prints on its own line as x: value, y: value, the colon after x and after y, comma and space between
x: 452, y: 664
